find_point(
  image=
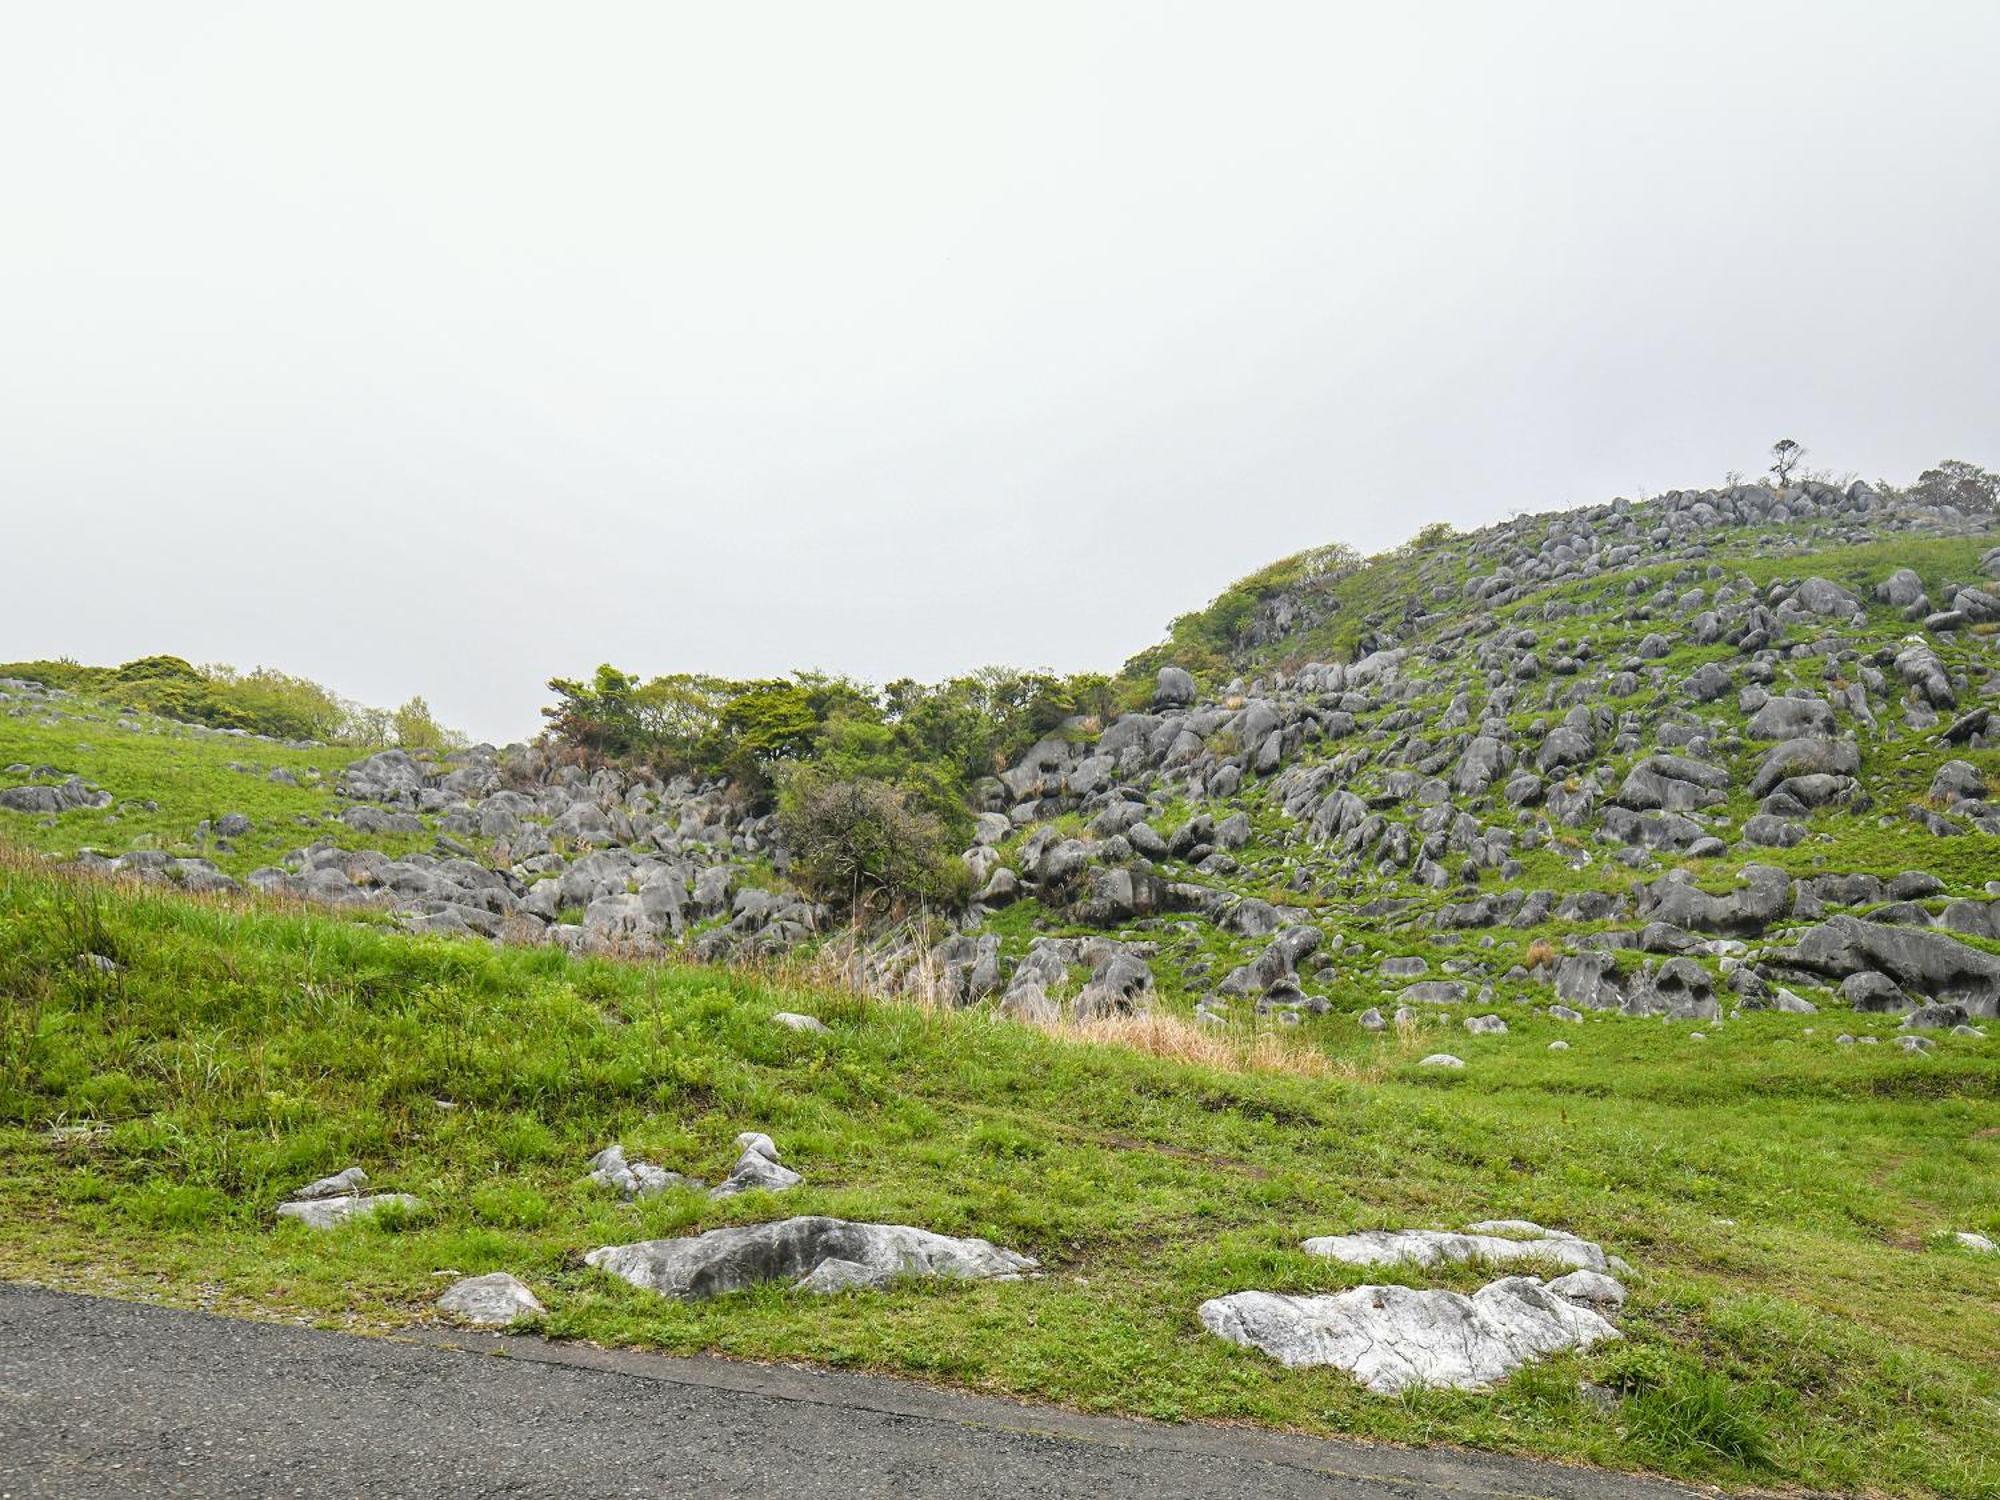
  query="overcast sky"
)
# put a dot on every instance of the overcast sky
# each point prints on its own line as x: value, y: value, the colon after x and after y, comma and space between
x: 428, y: 348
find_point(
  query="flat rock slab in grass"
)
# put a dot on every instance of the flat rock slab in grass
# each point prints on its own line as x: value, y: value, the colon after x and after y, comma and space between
x: 1430, y: 1247
x: 1393, y: 1337
x: 331, y: 1213
x: 810, y: 1253
x: 493, y: 1300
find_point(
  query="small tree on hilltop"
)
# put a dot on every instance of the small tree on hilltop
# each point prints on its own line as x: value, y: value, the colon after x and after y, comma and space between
x: 1786, y: 456
x: 417, y: 729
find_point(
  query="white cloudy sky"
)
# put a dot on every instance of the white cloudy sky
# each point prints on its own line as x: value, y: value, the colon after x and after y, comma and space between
x: 439, y: 348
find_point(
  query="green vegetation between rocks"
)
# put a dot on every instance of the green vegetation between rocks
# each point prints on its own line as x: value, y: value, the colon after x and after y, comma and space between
x: 1798, y: 1317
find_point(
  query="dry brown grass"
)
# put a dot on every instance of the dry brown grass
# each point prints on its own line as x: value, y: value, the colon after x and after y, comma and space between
x: 1162, y: 1034
x: 838, y: 965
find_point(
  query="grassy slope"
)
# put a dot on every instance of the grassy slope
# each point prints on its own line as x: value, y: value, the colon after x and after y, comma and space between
x: 190, y: 775
x: 1794, y: 1321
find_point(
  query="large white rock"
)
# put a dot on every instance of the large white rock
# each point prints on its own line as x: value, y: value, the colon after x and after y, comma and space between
x: 1430, y: 1247
x: 809, y: 1252
x: 1392, y: 1337
x: 495, y: 1299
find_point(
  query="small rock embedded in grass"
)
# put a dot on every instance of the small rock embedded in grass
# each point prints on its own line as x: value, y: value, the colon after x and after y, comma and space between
x: 1977, y: 1243
x: 633, y: 1179
x: 1441, y: 1060
x: 793, y: 1021
x: 1484, y: 1242
x: 332, y: 1201
x: 1559, y: 1045
x: 1485, y: 1025
x: 757, y: 1167
x: 493, y: 1300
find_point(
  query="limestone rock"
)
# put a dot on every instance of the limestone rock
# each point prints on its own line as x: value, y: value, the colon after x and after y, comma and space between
x: 1430, y: 1247
x: 493, y: 1300
x: 795, y: 1251
x: 1391, y: 1338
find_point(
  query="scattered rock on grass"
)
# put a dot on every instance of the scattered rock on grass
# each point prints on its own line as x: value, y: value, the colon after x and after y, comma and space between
x: 812, y: 1253
x: 493, y: 1300
x: 332, y: 1201
x: 1490, y: 1241
x: 1393, y: 1337
x: 633, y: 1179
x: 757, y: 1167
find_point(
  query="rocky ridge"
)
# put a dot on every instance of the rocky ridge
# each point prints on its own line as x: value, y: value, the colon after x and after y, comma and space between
x: 1644, y: 759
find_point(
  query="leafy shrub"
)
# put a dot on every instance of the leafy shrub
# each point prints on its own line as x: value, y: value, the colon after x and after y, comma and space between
x: 859, y: 844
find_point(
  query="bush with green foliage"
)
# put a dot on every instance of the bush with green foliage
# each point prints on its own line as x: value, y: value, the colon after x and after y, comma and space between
x: 931, y: 741
x: 860, y: 845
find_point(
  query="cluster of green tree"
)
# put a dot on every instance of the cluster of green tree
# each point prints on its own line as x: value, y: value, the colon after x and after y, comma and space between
x: 262, y: 701
x: 932, y: 741
x: 874, y: 787
x: 1958, y: 483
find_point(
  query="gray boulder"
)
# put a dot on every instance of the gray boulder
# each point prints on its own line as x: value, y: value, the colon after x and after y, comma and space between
x: 1805, y: 757
x: 1174, y: 688
x: 1791, y: 719
x: 1920, y: 961
x: 794, y: 1251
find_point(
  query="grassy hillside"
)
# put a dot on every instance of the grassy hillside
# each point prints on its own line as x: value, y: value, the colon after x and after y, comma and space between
x: 168, y: 778
x: 1796, y: 1317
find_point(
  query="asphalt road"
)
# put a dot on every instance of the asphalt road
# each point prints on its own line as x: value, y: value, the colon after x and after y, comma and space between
x: 102, y: 1398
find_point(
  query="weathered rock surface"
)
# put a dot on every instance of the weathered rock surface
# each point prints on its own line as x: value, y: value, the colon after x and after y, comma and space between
x: 493, y: 1300
x: 810, y: 1253
x: 1391, y: 1338
x: 1430, y: 1247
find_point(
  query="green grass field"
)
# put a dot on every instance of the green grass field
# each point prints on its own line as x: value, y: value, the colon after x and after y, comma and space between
x: 190, y: 777
x: 1797, y: 1319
